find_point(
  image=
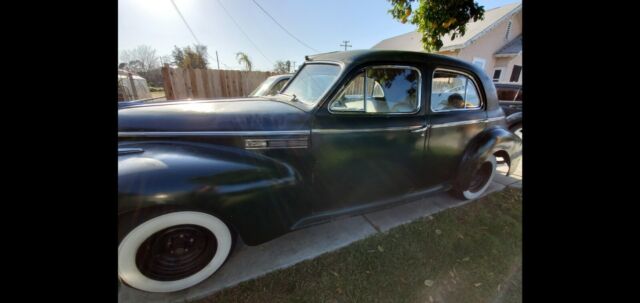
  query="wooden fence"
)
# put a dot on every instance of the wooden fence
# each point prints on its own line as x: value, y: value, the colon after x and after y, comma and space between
x: 180, y: 83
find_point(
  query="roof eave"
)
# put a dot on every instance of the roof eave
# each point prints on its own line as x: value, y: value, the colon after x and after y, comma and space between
x: 486, y: 30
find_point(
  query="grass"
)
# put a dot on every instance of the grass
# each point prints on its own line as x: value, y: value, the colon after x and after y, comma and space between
x: 466, y: 254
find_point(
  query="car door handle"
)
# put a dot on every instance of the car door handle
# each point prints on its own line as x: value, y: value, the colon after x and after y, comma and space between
x: 422, y: 129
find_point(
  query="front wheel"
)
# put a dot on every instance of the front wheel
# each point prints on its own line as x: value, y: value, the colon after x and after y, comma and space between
x: 480, y: 181
x: 173, y: 251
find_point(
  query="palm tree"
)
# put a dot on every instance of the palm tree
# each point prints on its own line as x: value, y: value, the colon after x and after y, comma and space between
x: 243, y: 59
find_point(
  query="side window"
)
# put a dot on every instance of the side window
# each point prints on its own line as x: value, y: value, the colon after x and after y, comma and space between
x: 277, y: 87
x: 351, y: 98
x: 453, y: 91
x: 383, y: 90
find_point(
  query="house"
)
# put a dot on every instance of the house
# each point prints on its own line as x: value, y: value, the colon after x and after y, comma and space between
x: 494, y: 43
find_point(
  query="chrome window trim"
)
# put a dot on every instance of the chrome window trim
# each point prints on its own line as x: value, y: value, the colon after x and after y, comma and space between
x: 365, y: 113
x: 214, y: 133
x: 324, y: 94
x: 468, y: 75
x: 415, y: 128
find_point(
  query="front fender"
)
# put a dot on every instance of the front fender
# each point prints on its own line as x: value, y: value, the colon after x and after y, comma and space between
x: 495, y: 139
x: 252, y: 193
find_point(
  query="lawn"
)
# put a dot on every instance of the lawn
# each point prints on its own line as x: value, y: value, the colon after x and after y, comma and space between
x: 467, y: 254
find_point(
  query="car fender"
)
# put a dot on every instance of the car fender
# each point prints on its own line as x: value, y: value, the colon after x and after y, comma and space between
x: 491, y: 141
x: 250, y: 192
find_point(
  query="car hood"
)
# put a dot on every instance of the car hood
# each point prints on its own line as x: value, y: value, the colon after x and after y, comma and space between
x: 246, y: 114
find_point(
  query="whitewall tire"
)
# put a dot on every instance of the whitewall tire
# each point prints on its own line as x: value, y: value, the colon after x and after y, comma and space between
x: 173, y: 232
x: 482, y: 179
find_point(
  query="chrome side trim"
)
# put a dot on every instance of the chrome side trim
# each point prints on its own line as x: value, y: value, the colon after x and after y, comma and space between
x: 127, y: 150
x: 457, y: 123
x: 416, y: 128
x: 276, y: 143
x: 214, y: 133
x: 495, y: 119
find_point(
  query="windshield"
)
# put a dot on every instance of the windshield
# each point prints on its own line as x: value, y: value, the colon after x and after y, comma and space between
x: 312, y: 82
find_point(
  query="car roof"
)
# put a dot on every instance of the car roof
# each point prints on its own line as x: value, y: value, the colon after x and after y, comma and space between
x: 367, y: 55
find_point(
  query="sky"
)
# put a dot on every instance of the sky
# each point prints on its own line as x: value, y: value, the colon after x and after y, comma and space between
x: 321, y: 25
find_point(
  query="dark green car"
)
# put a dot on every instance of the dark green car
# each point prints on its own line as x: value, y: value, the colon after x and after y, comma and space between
x: 351, y: 132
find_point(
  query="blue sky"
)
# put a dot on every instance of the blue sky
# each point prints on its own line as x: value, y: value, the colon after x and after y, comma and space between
x: 320, y: 24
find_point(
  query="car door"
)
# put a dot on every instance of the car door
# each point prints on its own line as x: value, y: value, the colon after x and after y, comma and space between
x: 368, y: 140
x: 456, y: 115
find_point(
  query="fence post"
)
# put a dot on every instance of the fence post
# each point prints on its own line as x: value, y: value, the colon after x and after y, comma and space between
x: 133, y: 87
x: 168, y: 88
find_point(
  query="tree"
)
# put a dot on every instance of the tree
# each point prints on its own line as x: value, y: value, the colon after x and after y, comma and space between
x: 436, y: 18
x: 282, y: 67
x: 140, y: 59
x: 187, y: 57
x: 243, y: 59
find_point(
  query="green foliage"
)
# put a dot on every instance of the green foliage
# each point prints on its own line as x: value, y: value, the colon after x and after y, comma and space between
x: 436, y: 18
x: 190, y: 58
x: 282, y: 67
x: 244, y: 59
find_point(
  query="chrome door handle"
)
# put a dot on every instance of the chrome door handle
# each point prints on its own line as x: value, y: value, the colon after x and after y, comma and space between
x: 421, y: 129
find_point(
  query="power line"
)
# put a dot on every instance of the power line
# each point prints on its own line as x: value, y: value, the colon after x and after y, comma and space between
x: 185, y: 22
x: 283, y: 28
x: 245, y: 34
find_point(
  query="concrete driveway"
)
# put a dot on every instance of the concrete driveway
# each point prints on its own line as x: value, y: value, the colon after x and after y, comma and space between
x: 250, y: 262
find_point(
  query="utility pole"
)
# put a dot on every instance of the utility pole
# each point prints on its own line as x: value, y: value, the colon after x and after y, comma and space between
x: 218, y: 61
x: 294, y: 66
x: 346, y: 44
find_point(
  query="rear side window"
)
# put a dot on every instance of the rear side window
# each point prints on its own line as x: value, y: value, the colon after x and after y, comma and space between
x: 453, y: 91
x: 381, y: 89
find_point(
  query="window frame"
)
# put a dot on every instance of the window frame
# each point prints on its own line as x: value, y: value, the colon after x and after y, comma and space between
x: 469, y: 76
x: 365, y: 113
x: 308, y: 105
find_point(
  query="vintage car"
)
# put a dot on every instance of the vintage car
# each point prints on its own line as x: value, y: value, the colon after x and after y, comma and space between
x: 510, y: 99
x: 350, y: 133
x: 271, y: 86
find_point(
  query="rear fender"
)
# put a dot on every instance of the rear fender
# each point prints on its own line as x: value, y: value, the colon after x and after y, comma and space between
x: 487, y: 143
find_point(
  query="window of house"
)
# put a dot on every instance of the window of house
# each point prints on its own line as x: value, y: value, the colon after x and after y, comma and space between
x: 506, y: 35
x: 496, y: 74
x: 380, y: 90
x: 453, y: 91
x: 515, y: 74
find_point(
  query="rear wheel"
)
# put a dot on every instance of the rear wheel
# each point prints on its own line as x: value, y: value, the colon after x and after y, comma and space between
x: 173, y: 251
x: 480, y: 180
